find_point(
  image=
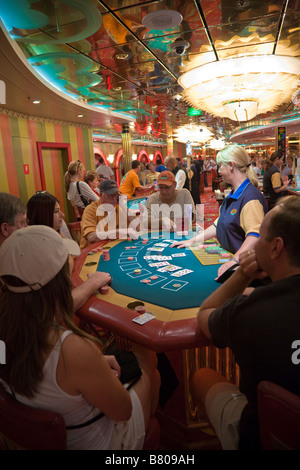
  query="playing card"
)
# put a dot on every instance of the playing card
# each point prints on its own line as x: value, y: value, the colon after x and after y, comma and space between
x: 177, y: 255
x: 159, y: 264
x: 144, y: 318
x: 169, y: 268
x: 183, y: 272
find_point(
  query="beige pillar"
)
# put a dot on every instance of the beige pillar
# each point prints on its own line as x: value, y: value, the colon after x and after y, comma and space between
x: 126, y: 144
x: 170, y: 147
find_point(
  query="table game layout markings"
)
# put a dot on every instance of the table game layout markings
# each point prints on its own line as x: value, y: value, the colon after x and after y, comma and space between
x: 154, y: 257
x: 130, y: 253
x: 130, y: 266
x: 156, y: 281
x: 150, y: 262
x: 127, y: 261
x: 144, y: 273
x: 174, y: 286
x: 211, y: 254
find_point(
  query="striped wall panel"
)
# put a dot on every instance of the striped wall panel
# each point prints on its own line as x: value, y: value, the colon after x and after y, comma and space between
x: 18, y: 152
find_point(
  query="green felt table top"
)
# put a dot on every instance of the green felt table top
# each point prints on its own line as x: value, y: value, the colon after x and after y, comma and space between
x: 168, y: 291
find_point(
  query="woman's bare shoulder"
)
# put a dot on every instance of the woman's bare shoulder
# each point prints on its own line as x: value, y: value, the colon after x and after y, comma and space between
x: 80, y: 347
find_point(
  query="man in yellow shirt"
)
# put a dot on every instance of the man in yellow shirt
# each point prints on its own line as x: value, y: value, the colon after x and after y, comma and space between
x: 105, y: 218
x: 130, y: 184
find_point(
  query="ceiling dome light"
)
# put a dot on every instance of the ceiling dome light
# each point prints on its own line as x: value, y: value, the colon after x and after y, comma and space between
x: 241, y: 110
x: 240, y: 88
x: 193, y: 134
x: 162, y: 19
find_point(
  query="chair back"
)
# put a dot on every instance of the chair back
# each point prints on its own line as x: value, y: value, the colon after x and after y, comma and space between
x: 25, y: 428
x: 75, y: 231
x: 279, y: 417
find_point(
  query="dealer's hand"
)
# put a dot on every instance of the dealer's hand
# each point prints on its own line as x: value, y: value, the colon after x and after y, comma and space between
x: 285, y: 180
x: 183, y: 243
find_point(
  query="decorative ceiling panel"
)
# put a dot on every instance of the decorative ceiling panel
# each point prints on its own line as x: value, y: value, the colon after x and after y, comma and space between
x: 106, y: 53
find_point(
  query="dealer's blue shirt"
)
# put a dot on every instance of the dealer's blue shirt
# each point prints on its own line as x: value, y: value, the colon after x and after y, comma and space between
x: 241, y: 214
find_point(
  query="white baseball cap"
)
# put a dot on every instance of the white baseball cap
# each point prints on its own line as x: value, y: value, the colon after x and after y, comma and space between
x: 35, y: 255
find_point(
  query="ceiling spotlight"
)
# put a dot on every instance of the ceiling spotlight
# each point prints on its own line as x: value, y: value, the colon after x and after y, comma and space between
x: 123, y: 56
x: 162, y: 19
x: 36, y: 101
x: 79, y: 115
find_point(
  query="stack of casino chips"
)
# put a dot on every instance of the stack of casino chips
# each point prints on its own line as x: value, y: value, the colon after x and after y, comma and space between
x: 106, y: 256
x: 140, y: 309
x: 104, y: 290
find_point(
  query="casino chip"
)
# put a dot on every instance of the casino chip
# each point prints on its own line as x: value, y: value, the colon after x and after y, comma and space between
x: 176, y: 285
x: 146, y: 281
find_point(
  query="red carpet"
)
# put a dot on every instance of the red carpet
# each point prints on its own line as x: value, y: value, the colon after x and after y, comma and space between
x: 211, y: 206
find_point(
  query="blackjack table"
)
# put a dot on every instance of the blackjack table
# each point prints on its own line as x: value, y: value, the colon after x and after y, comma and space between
x: 168, y: 283
x: 172, y: 302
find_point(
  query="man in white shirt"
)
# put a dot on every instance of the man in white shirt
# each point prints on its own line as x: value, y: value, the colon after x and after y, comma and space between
x: 168, y: 205
x: 104, y: 170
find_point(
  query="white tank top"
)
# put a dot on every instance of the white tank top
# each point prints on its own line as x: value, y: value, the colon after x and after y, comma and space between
x: 74, y: 409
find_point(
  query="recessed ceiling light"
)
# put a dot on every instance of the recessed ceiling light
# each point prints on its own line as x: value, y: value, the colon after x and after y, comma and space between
x: 162, y: 19
x: 123, y: 56
x: 36, y: 101
x: 79, y: 115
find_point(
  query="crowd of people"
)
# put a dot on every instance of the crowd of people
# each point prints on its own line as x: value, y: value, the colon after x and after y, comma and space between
x: 62, y: 368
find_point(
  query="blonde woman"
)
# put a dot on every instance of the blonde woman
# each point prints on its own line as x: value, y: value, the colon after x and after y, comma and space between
x: 78, y: 194
x: 242, y: 211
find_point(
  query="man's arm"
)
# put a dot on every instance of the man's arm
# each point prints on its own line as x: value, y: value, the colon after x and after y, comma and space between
x: 94, y: 281
x: 92, y: 238
x: 276, y: 183
x: 144, y: 189
x: 235, y: 284
x: 248, y: 244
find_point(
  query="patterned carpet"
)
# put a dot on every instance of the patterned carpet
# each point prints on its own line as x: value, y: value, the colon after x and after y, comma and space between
x: 211, y: 206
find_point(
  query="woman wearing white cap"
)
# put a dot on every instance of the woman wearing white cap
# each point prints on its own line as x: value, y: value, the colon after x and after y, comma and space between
x: 53, y: 365
x: 43, y: 209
